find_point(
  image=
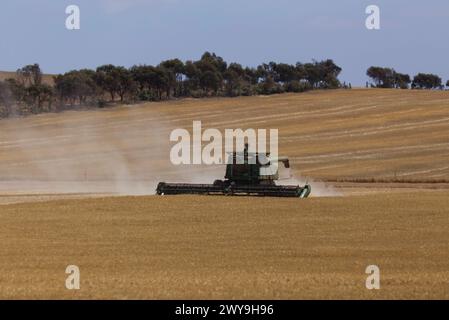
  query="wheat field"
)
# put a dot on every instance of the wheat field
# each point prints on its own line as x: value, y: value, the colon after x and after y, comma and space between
x: 76, y: 188
x: 338, y: 135
x: 227, y: 248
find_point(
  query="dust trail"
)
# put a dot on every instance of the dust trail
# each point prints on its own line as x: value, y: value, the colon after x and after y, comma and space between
x: 89, y: 152
x: 319, y: 188
x: 123, y: 151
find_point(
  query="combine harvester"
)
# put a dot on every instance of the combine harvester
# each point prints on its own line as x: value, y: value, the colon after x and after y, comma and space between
x: 250, y: 176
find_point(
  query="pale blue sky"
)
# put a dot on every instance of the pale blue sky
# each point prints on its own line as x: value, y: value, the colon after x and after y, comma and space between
x: 413, y: 36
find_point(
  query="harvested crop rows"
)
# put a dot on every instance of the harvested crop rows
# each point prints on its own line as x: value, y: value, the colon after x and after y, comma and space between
x: 379, y: 157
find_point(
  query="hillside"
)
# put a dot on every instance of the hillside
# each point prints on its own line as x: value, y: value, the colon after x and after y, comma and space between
x: 353, y: 135
x: 47, y: 78
x: 379, y: 157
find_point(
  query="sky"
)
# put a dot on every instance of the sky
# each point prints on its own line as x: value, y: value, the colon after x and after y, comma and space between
x: 413, y: 35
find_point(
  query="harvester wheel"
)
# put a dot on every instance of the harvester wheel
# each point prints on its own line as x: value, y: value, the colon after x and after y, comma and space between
x: 218, y: 183
x: 228, y: 191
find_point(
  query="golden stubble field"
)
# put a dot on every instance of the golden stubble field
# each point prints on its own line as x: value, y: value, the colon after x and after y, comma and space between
x: 227, y: 248
x: 335, y: 135
x: 63, y: 177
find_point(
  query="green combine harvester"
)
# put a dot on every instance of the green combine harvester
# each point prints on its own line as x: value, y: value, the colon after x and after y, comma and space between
x: 247, y: 174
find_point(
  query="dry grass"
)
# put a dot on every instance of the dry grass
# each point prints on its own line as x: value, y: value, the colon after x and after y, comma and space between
x: 207, y: 247
x: 47, y: 78
x: 227, y: 248
x: 353, y: 134
x: 392, y: 180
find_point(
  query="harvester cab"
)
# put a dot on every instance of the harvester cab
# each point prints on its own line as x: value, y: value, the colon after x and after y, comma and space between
x: 253, y: 168
x: 247, y: 173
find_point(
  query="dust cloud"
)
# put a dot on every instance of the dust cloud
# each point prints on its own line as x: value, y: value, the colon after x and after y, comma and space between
x: 115, y: 151
x: 88, y: 152
x: 319, y: 188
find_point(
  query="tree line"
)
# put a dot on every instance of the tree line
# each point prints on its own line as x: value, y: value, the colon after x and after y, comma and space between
x: 207, y: 77
x: 389, y: 78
